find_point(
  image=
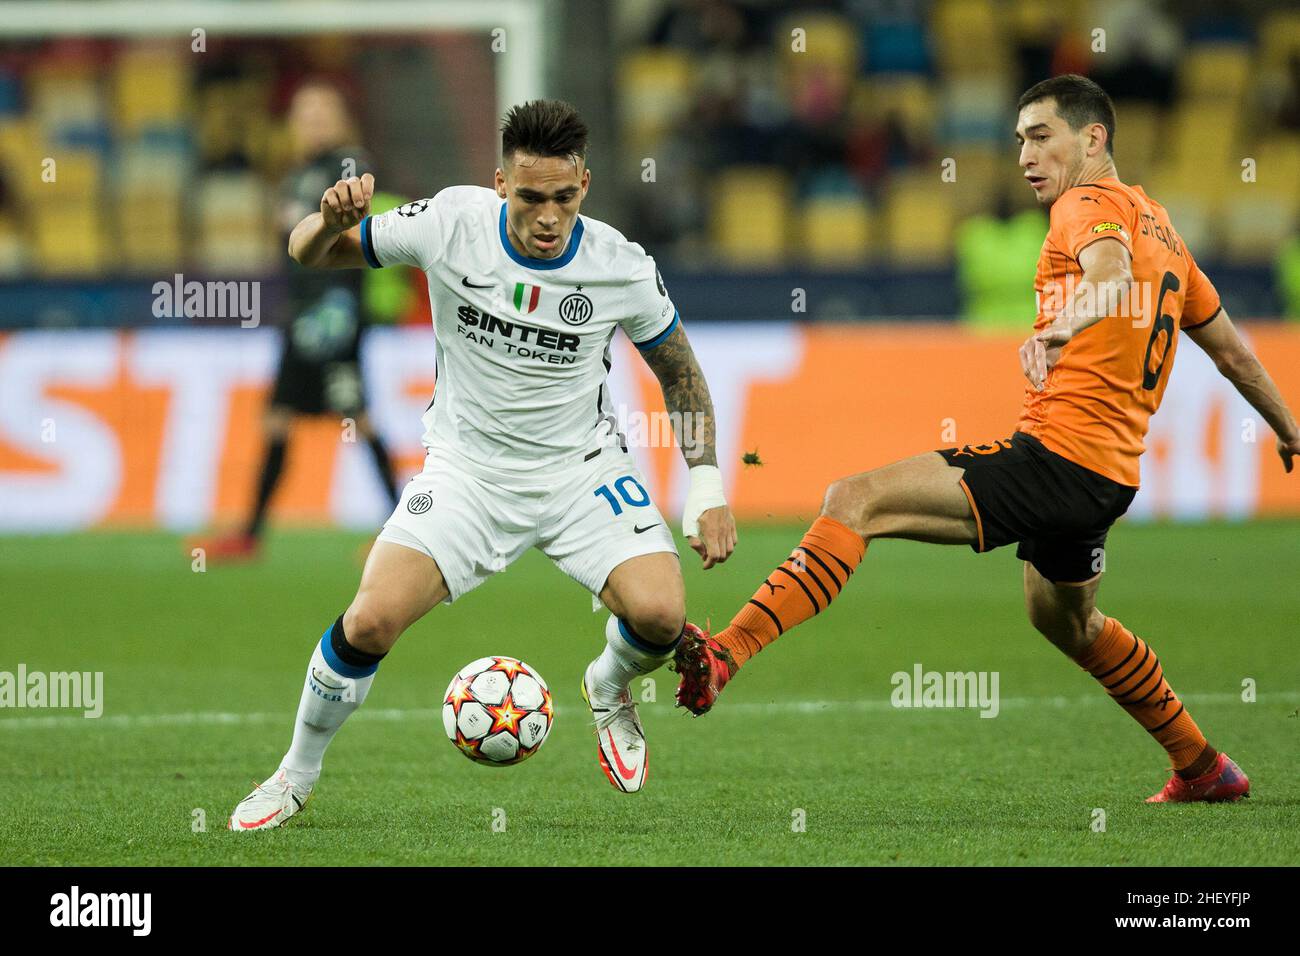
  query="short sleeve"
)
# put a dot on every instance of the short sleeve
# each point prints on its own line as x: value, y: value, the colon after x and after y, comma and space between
x: 650, y: 316
x: 1202, y: 302
x: 408, y: 235
x: 1086, y: 215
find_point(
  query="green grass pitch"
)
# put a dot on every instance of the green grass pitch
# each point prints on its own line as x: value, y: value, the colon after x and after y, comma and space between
x: 203, y: 671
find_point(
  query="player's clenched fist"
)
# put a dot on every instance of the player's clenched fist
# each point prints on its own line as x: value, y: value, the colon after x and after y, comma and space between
x: 347, y: 202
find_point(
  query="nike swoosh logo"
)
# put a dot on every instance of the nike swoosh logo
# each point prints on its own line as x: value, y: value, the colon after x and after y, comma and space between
x: 640, y: 530
x: 470, y: 285
x: 258, y: 823
x: 623, y: 771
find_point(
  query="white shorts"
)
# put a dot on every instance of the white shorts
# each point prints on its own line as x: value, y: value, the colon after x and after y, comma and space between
x: 588, y: 518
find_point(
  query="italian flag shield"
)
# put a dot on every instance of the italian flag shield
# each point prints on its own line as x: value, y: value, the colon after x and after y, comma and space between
x: 526, y: 296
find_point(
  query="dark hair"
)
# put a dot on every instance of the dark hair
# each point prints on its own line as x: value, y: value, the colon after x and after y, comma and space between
x: 1079, y: 101
x: 544, y: 128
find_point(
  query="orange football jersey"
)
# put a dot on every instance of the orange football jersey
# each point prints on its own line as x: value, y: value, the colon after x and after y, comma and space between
x: 1098, y: 399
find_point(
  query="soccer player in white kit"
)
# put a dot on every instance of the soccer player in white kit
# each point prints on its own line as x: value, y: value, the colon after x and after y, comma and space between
x: 523, y: 448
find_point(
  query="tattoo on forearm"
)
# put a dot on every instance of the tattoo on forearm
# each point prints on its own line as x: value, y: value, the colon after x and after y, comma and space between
x: 686, y: 395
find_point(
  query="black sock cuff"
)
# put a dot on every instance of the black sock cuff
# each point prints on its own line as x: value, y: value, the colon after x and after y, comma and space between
x: 346, y: 652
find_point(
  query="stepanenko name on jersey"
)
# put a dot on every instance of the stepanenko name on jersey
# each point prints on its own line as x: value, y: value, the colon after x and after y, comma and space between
x: 517, y: 337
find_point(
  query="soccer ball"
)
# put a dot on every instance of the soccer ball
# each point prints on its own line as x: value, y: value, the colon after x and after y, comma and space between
x: 497, y: 711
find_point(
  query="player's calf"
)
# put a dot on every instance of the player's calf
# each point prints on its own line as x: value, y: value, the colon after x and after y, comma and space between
x: 371, y: 628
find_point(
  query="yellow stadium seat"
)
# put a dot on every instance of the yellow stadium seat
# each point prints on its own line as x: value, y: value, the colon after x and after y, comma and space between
x: 64, y: 95
x: 919, y: 220
x: 1203, y: 145
x: 654, y: 93
x: 1137, y: 138
x: 910, y: 98
x: 69, y: 239
x: 1279, y: 40
x: 13, y: 248
x: 982, y: 174
x: 970, y: 37
x: 234, y: 231
x: 22, y: 149
x: 77, y: 176
x: 150, y: 87
x: 1255, y: 226
x: 750, y: 215
x: 836, y: 231
x: 828, y: 40
x: 1215, y: 71
x: 1277, y: 164
x: 150, y: 233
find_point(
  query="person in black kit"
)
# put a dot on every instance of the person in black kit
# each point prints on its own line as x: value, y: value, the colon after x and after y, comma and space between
x: 320, y: 370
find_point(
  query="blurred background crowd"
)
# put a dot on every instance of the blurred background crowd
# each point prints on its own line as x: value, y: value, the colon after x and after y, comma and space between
x: 737, y: 137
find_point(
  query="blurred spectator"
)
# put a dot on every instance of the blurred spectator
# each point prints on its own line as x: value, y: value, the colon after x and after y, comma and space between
x: 1288, y: 278
x: 997, y: 255
x: 320, y: 364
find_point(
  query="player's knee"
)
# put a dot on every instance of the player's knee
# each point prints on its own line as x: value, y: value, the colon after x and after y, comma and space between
x: 1065, y: 628
x: 657, y: 622
x: 848, y: 501
x: 370, y: 628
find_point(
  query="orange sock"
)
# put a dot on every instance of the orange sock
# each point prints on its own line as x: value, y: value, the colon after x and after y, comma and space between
x: 1126, y: 666
x: 809, y: 580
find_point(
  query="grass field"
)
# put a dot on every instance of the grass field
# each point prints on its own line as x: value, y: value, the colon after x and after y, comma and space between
x: 203, y: 671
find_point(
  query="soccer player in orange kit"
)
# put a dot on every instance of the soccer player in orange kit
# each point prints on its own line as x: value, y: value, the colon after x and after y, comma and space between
x: 1116, y: 285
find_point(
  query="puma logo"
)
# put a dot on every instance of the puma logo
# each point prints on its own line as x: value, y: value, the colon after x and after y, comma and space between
x: 774, y: 587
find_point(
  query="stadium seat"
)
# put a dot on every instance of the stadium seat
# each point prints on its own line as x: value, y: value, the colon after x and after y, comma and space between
x: 836, y: 232
x: 974, y: 109
x: 68, y: 238
x: 62, y: 96
x: 750, y: 215
x: 1278, y: 165
x: 919, y: 219
x: 233, y: 229
x: 21, y: 152
x: 1279, y: 40
x: 969, y: 38
x: 1137, y: 139
x: 1255, y: 225
x: 78, y: 177
x: 910, y: 98
x: 831, y: 40
x: 1215, y: 71
x: 982, y: 173
x: 1203, y: 147
x: 13, y: 248
x: 654, y: 94
x: 150, y: 88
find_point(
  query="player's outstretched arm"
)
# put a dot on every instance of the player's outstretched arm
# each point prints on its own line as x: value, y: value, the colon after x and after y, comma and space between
x: 1237, y: 363
x: 1107, y: 278
x: 331, y: 238
x: 707, y: 521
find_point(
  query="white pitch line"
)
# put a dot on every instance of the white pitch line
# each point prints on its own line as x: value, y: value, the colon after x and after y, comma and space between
x: 803, y: 707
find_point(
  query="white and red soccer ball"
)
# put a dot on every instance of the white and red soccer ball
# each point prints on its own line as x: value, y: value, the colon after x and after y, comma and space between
x: 497, y: 711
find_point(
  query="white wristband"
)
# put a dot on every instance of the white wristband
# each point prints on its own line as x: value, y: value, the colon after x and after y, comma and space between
x: 705, y: 492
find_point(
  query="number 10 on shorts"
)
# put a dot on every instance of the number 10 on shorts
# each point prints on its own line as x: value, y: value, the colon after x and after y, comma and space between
x: 636, y: 497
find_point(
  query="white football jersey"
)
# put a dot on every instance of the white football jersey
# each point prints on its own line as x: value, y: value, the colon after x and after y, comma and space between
x: 523, y: 344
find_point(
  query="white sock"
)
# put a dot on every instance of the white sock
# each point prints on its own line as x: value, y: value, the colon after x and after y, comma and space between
x: 622, y: 660
x: 328, y: 698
